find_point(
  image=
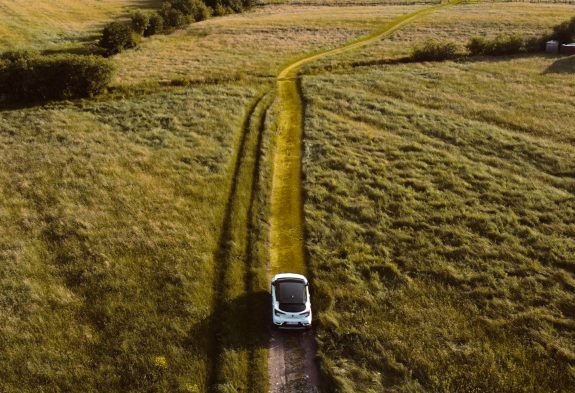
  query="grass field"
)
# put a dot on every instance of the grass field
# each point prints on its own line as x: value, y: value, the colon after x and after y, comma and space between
x: 123, y: 246
x: 249, y: 45
x: 55, y: 23
x: 438, y: 203
x: 439, y: 210
x: 459, y: 25
x: 111, y: 213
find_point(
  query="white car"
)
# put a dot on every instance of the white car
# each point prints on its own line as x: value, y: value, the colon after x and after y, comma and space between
x: 291, y: 306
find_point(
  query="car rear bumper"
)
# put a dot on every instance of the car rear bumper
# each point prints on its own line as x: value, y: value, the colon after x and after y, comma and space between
x: 289, y: 322
x: 292, y: 325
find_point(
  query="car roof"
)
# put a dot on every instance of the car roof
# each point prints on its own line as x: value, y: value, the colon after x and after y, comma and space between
x: 289, y: 276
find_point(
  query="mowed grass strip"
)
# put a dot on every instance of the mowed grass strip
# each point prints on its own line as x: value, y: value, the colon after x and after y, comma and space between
x: 441, y: 241
x: 110, y: 215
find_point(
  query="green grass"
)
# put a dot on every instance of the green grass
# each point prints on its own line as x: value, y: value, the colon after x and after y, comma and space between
x: 114, y: 214
x: 445, y: 212
x: 240, y: 327
x: 440, y: 228
x: 111, y: 212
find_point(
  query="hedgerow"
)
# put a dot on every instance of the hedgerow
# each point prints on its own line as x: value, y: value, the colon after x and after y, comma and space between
x: 435, y: 51
x: 501, y: 45
x: 118, y: 36
x: 27, y: 77
x: 564, y: 32
x: 506, y: 44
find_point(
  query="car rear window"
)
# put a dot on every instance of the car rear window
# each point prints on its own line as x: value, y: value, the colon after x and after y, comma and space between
x: 291, y: 292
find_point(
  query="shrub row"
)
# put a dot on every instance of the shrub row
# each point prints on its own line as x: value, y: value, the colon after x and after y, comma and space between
x: 27, y: 77
x: 173, y: 14
x: 435, y: 51
x: 501, y: 45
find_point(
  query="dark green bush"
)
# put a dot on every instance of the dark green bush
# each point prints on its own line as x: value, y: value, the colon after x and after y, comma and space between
x: 140, y: 22
x: 435, y: 51
x: 222, y: 7
x: 173, y: 18
x: 477, y: 45
x: 564, y: 32
x: 28, y: 77
x: 506, y: 44
x: 179, y: 13
x: 197, y: 9
x: 220, y: 10
x: 535, y: 44
x: 201, y: 11
x: 118, y: 36
x: 155, y: 25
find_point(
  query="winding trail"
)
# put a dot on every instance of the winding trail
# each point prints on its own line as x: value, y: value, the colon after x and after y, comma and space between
x: 291, y: 360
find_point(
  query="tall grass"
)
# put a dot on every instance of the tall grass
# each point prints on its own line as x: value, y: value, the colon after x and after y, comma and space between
x: 111, y: 212
x: 241, y: 322
x: 441, y: 239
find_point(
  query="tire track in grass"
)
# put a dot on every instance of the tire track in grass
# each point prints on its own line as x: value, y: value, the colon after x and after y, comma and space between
x: 290, y: 368
x: 234, y: 342
x: 256, y: 274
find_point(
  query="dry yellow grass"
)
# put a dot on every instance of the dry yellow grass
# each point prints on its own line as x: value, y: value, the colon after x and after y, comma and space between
x: 465, y: 21
x: 256, y: 43
x: 46, y: 23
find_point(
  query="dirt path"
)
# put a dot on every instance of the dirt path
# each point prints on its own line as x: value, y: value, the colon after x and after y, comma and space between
x: 292, y: 366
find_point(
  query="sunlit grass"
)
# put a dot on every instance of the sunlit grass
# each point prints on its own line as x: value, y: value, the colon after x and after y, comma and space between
x: 111, y: 212
x: 440, y: 210
x: 459, y: 24
x: 55, y: 23
x: 254, y: 44
x: 439, y: 205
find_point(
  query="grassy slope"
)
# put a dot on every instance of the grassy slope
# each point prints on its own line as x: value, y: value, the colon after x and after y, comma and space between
x: 440, y: 210
x: 49, y: 23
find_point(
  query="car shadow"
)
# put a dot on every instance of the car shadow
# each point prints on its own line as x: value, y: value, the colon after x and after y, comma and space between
x: 242, y: 323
